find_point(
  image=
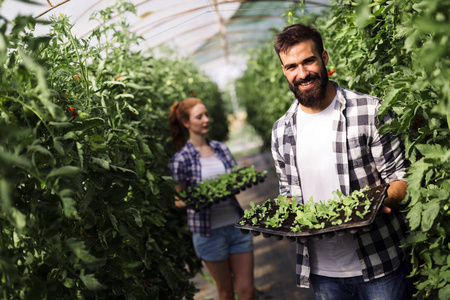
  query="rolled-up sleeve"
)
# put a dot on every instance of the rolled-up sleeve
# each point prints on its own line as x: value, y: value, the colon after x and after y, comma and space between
x: 388, y: 153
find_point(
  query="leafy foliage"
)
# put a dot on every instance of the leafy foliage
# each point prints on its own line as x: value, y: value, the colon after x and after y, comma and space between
x: 396, y: 50
x: 400, y: 57
x: 86, y: 195
x: 311, y: 215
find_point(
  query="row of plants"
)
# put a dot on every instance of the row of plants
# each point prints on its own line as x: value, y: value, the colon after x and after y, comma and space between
x: 86, y: 195
x: 288, y: 215
x: 396, y: 50
x: 221, y: 187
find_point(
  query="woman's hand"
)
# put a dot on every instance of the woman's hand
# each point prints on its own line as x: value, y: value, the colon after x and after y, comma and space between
x: 180, y: 203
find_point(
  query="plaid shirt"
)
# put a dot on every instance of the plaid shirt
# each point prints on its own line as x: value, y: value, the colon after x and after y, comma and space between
x: 364, y: 158
x: 185, y: 166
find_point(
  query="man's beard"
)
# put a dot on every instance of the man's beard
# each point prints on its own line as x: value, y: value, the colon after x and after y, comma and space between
x: 315, y: 95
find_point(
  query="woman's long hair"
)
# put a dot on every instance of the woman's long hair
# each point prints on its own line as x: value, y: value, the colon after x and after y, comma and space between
x: 179, y: 112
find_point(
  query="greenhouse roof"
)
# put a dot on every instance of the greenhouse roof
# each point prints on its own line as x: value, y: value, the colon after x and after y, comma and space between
x: 216, y: 34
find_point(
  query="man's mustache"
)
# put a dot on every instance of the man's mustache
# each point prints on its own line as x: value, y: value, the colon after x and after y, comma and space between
x: 308, y: 78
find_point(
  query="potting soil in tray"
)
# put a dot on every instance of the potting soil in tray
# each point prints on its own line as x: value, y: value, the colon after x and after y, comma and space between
x: 376, y: 196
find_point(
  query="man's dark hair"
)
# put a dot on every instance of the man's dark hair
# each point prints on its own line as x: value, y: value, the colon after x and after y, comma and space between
x: 295, y: 34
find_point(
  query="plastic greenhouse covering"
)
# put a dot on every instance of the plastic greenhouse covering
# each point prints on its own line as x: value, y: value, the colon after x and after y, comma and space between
x: 216, y: 34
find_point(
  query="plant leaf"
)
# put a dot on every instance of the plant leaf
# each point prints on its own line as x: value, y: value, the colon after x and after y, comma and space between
x: 431, y: 210
x: 91, y: 282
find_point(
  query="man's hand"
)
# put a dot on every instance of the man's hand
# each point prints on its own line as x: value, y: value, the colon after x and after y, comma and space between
x: 395, y: 194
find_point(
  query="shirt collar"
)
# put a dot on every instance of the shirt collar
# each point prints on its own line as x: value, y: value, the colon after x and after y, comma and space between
x: 340, y: 94
x: 194, y: 152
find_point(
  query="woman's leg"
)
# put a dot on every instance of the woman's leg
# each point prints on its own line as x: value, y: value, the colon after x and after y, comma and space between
x: 221, y: 273
x: 242, y: 268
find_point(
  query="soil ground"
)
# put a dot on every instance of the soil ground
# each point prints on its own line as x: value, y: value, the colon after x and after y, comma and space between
x: 274, y: 259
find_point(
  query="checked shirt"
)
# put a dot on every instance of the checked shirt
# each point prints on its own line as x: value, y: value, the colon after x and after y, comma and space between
x: 364, y: 158
x: 185, y: 166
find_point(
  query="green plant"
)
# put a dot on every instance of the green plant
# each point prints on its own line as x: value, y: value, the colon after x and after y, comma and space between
x: 395, y: 50
x: 397, y: 53
x: 222, y: 186
x: 249, y: 213
x: 85, y: 192
x: 310, y: 215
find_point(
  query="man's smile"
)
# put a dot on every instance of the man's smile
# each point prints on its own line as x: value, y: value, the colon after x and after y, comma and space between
x: 306, y: 84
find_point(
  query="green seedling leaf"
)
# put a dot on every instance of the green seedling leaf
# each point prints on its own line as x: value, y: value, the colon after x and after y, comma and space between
x: 319, y: 226
x: 337, y: 222
x: 347, y: 201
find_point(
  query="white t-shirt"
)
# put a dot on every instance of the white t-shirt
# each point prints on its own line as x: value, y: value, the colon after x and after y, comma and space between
x: 316, y: 162
x: 223, y: 213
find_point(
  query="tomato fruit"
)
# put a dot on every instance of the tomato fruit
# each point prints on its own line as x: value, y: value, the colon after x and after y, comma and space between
x: 83, y: 115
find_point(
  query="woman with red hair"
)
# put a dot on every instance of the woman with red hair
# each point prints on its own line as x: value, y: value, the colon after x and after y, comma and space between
x: 226, y: 252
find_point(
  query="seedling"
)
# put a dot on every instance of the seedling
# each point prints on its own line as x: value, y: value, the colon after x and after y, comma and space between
x: 310, y: 215
x: 220, y: 187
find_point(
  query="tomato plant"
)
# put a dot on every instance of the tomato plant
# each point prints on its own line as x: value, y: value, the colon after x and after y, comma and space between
x: 395, y: 50
x: 395, y: 56
x: 86, y: 194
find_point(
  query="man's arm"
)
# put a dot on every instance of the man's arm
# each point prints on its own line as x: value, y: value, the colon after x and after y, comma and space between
x: 389, y: 156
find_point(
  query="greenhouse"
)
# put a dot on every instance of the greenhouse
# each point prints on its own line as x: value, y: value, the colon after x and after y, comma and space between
x: 211, y: 149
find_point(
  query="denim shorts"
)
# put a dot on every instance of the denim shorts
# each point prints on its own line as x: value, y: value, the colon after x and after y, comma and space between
x: 394, y: 286
x: 221, y: 243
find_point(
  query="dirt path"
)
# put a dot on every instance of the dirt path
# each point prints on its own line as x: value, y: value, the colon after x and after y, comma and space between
x: 274, y: 260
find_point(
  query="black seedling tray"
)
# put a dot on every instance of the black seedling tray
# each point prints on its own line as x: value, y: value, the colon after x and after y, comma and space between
x: 199, y: 205
x: 376, y: 194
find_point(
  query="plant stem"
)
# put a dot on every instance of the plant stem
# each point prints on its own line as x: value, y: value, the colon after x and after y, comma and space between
x: 83, y: 68
x: 51, y: 8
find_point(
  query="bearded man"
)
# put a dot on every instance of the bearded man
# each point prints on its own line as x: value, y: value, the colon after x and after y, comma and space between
x: 329, y: 140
